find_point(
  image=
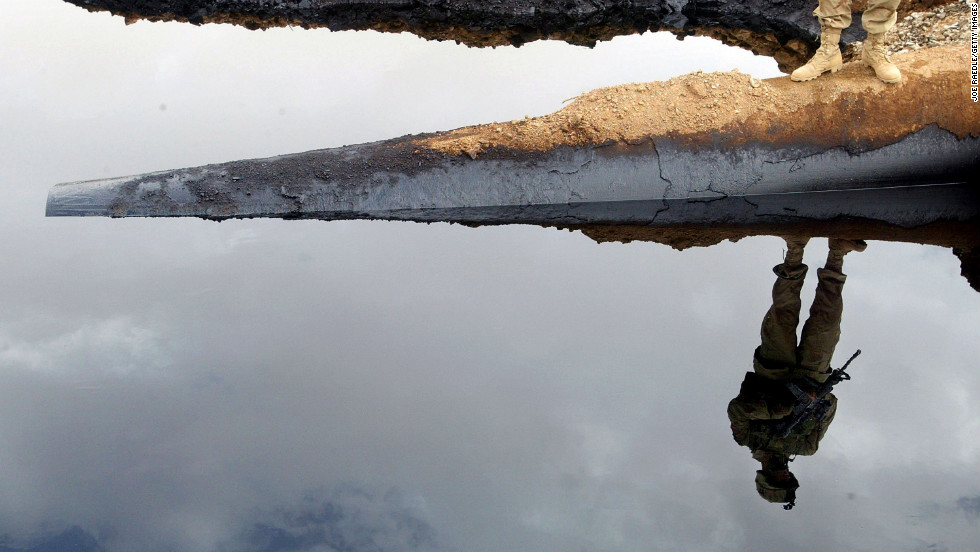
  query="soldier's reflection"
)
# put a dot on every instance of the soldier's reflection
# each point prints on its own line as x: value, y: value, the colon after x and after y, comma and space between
x: 789, y: 374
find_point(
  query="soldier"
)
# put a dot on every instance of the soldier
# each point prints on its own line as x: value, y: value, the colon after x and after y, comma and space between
x: 834, y: 16
x: 764, y: 398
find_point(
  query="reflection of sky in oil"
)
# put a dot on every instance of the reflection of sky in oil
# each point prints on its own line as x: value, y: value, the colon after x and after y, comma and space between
x: 187, y: 385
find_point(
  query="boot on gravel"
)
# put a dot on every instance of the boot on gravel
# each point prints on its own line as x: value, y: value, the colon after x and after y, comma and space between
x: 873, y: 55
x: 827, y: 58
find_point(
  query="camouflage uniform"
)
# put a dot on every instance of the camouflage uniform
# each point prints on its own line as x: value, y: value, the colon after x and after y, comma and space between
x: 763, y: 397
x: 879, y: 16
x: 758, y: 408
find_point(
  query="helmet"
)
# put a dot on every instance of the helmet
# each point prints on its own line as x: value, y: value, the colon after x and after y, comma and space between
x: 775, y: 491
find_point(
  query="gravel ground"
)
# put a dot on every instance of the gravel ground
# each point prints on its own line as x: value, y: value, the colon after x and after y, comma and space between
x: 947, y: 24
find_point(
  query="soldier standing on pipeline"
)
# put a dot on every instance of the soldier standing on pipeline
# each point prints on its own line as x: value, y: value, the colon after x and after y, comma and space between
x: 764, y: 399
x: 834, y: 16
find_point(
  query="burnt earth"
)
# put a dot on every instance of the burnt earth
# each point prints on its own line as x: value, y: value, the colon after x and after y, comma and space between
x: 785, y: 30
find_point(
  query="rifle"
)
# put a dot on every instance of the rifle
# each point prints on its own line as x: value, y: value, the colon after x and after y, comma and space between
x: 812, y: 405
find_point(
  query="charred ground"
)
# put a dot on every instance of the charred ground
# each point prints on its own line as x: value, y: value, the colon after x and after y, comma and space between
x: 784, y: 30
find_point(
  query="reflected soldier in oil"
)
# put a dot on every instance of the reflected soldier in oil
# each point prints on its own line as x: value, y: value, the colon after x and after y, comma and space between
x: 785, y: 406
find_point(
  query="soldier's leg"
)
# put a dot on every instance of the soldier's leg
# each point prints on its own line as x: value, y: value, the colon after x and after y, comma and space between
x: 877, y: 19
x: 880, y: 16
x: 776, y: 356
x: 821, y: 332
x: 834, y: 14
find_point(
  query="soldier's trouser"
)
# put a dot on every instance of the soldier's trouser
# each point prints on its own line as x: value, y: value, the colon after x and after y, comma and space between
x: 779, y: 356
x: 879, y: 16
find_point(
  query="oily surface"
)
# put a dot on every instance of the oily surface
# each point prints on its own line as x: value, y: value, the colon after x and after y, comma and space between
x: 785, y: 30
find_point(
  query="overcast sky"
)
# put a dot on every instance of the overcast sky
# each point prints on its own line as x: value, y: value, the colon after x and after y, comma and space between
x: 280, y: 385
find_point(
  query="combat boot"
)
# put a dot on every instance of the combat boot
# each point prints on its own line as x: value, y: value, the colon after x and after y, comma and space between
x: 827, y: 58
x: 873, y: 55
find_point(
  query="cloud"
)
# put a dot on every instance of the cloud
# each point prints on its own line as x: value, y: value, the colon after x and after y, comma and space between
x: 177, y: 384
x: 344, y: 519
x: 73, y: 539
x: 116, y: 345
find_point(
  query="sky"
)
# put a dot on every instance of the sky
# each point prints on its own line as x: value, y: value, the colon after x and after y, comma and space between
x: 178, y: 384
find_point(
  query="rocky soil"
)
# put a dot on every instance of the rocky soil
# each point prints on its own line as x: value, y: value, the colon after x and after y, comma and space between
x: 851, y: 108
x: 941, y: 25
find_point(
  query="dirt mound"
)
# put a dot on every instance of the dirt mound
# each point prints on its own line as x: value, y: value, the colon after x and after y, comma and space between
x: 703, y: 107
x: 932, y: 53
